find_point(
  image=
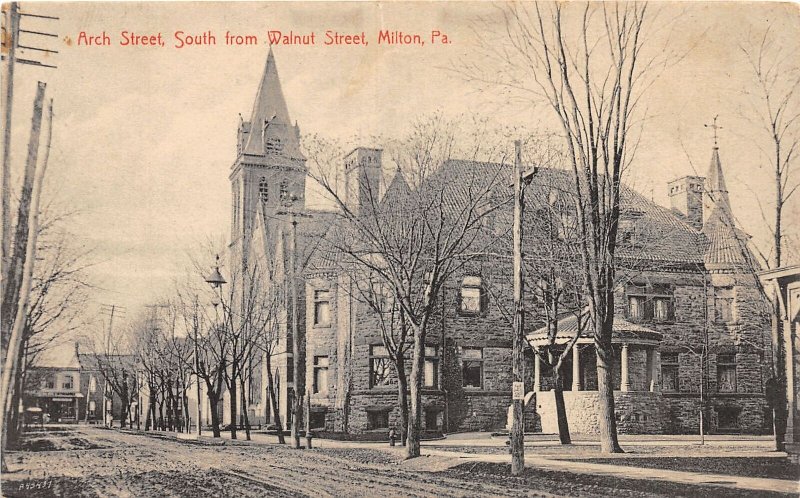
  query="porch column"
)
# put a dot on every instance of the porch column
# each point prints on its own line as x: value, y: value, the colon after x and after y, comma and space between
x: 576, y: 368
x: 655, y: 363
x: 624, y: 384
x: 537, y: 373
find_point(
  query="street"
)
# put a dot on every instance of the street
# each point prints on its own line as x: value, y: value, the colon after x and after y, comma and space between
x: 112, y: 463
x: 94, y: 461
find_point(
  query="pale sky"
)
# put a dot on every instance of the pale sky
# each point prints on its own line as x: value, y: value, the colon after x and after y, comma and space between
x: 144, y: 136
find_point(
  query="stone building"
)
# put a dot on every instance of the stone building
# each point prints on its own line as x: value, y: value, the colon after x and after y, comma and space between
x: 691, y: 328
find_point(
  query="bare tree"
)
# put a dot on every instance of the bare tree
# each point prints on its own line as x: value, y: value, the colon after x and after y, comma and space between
x: 267, y: 343
x: 586, y: 62
x: 413, y: 243
x: 774, y: 107
x: 113, y: 358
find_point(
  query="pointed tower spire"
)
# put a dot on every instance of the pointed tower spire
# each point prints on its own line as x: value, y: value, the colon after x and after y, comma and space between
x: 727, y: 245
x: 270, y: 125
x: 716, y: 192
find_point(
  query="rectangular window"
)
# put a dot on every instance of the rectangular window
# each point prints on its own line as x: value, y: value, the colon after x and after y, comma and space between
x: 382, y: 297
x: 67, y: 383
x: 723, y: 304
x: 380, y: 367
x: 317, y: 420
x: 431, y: 374
x: 92, y: 408
x: 320, y: 374
x: 726, y: 373
x: 322, y: 308
x: 670, y: 372
x: 432, y: 420
x: 378, y: 419
x: 471, y: 295
x: 662, y: 309
x: 636, y: 307
x: 92, y: 384
x: 50, y: 382
x: 472, y: 367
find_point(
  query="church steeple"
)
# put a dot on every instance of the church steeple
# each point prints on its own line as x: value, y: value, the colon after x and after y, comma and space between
x: 270, y: 128
x: 269, y: 168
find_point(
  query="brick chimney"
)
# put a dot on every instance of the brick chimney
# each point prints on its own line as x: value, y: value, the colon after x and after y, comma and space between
x: 686, y: 199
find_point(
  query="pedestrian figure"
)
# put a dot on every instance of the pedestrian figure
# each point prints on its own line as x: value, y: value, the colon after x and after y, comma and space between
x: 392, y: 436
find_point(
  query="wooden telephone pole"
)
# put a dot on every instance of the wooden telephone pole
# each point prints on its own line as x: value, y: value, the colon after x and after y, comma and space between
x: 11, y: 31
x: 517, y: 360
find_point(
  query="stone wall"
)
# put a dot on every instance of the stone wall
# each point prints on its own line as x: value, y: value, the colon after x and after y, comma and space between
x: 636, y: 412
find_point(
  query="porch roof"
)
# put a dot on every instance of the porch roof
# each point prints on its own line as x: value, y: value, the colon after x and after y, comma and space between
x: 624, y: 332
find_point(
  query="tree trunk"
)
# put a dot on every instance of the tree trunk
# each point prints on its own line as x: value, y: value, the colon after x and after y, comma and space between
x: 415, y: 413
x: 187, y: 419
x: 274, y: 400
x: 19, y: 281
x: 214, y: 401
x: 233, y: 404
x: 605, y: 386
x: 402, y: 396
x: 15, y: 427
x: 244, y: 409
x: 561, y: 409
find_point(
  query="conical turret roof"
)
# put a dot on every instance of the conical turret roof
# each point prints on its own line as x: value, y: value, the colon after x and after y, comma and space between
x: 727, y: 245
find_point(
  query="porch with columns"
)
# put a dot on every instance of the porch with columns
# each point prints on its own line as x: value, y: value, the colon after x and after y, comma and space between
x: 636, y: 378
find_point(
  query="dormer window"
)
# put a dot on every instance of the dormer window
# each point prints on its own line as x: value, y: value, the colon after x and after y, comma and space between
x: 263, y: 190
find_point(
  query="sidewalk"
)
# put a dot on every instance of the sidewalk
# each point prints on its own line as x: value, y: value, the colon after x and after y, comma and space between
x: 627, y: 472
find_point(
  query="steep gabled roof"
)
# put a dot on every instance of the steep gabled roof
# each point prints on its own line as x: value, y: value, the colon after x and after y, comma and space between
x: 398, y: 189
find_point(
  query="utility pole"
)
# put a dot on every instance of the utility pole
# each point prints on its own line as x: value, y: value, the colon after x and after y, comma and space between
x: 11, y: 31
x: 10, y: 45
x: 517, y: 360
x: 297, y: 357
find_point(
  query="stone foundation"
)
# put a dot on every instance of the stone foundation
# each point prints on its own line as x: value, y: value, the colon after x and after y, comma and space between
x: 637, y: 412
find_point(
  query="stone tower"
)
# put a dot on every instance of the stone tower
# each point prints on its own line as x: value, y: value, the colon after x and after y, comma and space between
x: 363, y: 172
x: 269, y: 168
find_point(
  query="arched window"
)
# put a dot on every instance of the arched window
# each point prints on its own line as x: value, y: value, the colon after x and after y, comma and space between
x: 284, y: 191
x: 263, y: 190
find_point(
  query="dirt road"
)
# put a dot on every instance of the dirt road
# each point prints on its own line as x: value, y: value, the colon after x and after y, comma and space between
x: 111, y: 463
x: 95, y: 462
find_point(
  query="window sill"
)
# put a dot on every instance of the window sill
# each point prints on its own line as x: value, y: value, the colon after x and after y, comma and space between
x: 470, y: 313
x: 321, y: 326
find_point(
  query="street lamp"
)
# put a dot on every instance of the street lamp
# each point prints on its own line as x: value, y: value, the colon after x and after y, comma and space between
x: 216, y: 281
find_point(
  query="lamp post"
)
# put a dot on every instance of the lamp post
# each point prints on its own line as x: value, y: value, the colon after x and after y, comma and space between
x: 298, y: 364
x: 216, y: 281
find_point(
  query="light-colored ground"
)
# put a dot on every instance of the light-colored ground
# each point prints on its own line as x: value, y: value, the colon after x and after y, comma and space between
x: 101, y: 462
